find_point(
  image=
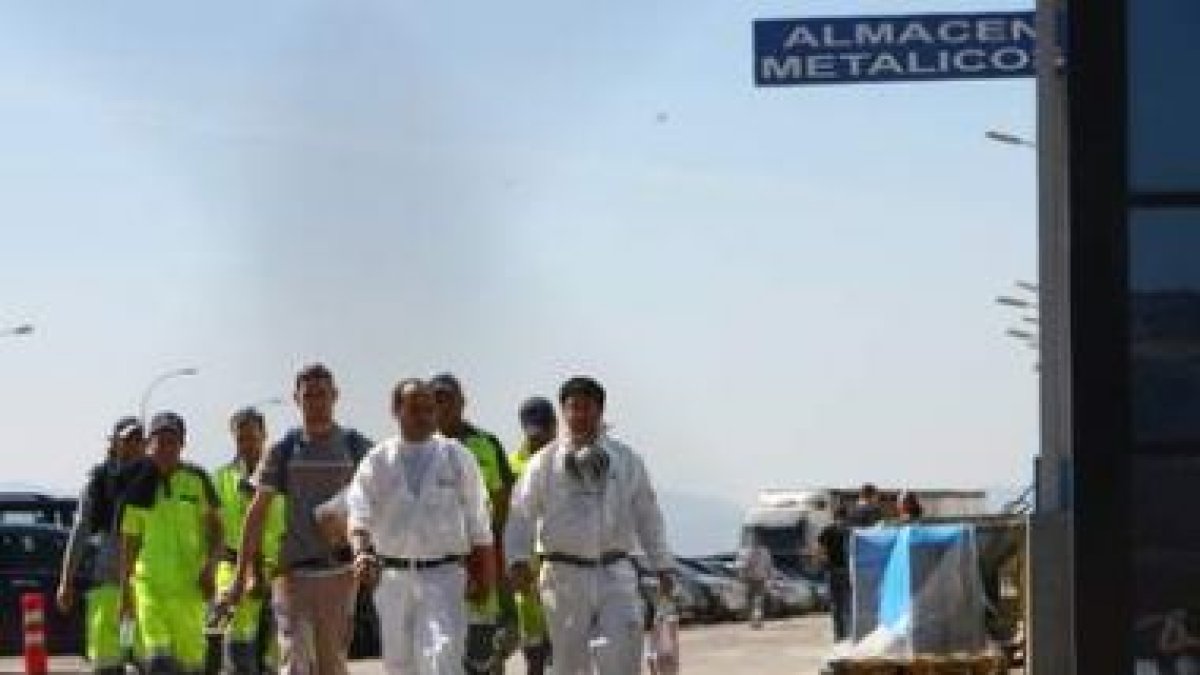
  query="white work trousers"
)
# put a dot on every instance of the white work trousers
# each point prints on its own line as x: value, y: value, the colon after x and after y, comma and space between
x: 595, y: 618
x: 423, y: 620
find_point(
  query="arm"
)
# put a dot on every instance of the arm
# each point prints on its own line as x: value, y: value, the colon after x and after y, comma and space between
x: 648, y: 519
x: 363, y: 499
x: 525, y: 510
x: 131, y: 543
x: 362, y: 508
x: 216, y: 544
x: 483, y: 563
x: 67, y: 595
x: 651, y: 531
x: 508, y: 478
x: 267, y: 480
x: 248, y: 550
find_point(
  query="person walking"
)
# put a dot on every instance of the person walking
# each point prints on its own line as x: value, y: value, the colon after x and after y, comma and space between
x: 248, y: 636
x: 756, y: 568
x: 540, y: 426
x: 99, y: 523
x: 588, y: 499
x: 417, y: 512
x: 868, y: 510
x: 493, y: 623
x: 833, y: 541
x: 171, y: 540
x: 314, y: 594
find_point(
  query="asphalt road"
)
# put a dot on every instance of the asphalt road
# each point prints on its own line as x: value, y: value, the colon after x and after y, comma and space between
x: 790, y: 647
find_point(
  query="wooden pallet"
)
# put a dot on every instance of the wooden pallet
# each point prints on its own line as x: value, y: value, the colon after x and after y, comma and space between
x: 927, y: 665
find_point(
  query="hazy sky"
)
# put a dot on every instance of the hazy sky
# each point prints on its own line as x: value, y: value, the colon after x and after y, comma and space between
x: 779, y: 287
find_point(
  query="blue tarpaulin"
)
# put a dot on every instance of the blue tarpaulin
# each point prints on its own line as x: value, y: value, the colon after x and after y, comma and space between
x: 917, y: 590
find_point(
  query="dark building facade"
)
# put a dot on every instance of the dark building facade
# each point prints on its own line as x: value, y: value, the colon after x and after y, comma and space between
x: 1133, y: 90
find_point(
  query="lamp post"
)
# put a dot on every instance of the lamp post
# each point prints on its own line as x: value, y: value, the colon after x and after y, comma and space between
x: 269, y: 402
x: 18, y: 331
x: 1009, y: 139
x: 154, y: 384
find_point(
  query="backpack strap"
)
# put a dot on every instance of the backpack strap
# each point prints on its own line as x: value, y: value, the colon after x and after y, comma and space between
x: 287, y: 448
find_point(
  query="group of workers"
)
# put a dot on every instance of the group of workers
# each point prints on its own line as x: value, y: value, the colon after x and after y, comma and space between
x: 833, y: 544
x: 466, y: 551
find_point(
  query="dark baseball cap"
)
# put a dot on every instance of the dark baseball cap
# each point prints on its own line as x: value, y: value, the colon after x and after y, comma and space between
x: 537, y: 414
x: 445, y: 382
x: 125, y: 427
x: 168, y: 421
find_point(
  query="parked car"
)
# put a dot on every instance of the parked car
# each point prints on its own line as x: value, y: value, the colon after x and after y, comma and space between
x: 692, y: 601
x: 30, y: 559
x: 789, y: 595
x: 729, y: 591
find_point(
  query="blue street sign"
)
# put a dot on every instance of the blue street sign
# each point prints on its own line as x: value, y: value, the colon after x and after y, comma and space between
x: 893, y: 48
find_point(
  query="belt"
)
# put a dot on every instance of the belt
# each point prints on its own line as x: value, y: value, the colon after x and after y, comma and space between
x: 418, y: 564
x: 605, y: 559
x: 339, y: 557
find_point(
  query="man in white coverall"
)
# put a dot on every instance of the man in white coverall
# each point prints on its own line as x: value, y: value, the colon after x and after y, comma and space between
x: 421, y: 533
x: 588, y: 500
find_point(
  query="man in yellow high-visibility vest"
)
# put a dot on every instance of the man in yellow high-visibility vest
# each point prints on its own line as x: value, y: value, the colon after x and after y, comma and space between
x: 491, y: 637
x: 248, y: 640
x: 171, y: 540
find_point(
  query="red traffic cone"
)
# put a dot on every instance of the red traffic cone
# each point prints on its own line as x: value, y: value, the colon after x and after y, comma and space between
x: 33, y: 616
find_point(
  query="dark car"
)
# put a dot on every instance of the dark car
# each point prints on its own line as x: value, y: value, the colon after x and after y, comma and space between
x: 30, y: 557
x: 692, y: 601
x: 32, y: 508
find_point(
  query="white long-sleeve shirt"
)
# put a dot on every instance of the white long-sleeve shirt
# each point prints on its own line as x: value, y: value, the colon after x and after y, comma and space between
x: 586, y: 518
x: 447, y: 513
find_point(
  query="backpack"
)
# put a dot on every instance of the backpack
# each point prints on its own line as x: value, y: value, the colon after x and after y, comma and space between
x: 110, y: 486
x: 358, y: 444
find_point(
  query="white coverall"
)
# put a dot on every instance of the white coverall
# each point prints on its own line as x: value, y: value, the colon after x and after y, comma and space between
x: 594, y: 613
x: 422, y: 612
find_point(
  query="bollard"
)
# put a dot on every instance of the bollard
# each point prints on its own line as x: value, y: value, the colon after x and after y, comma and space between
x: 33, y: 617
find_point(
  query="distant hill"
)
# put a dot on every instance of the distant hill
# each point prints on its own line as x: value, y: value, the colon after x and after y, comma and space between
x: 698, y: 524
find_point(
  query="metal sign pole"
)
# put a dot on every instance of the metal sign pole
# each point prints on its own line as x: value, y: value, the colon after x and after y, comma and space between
x: 1051, y: 621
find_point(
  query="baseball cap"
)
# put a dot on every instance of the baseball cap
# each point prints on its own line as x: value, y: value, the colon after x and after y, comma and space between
x: 445, y: 382
x: 536, y: 414
x: 168, y: 421
x: 125, y: 427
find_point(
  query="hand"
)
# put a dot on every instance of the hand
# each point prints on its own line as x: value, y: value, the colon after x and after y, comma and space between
x: 666, y: 584
x: 208, y: 580
x: 520, y: 575
x: 233, y: 594
x: 65, y: 597
x: 257, y: 587
x: 366, y: 570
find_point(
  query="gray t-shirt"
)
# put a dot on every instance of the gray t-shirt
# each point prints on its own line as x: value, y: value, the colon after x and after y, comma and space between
x: 315, y: 472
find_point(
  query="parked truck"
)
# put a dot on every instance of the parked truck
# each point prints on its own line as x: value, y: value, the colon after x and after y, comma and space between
x: 788, y: 521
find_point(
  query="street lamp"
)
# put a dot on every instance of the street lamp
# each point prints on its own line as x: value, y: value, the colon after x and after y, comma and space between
x: 21, y: 330
x: 170, y: 374
x: 1020, y: 303
x: 266, y: 403
x: 1009, y: 139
